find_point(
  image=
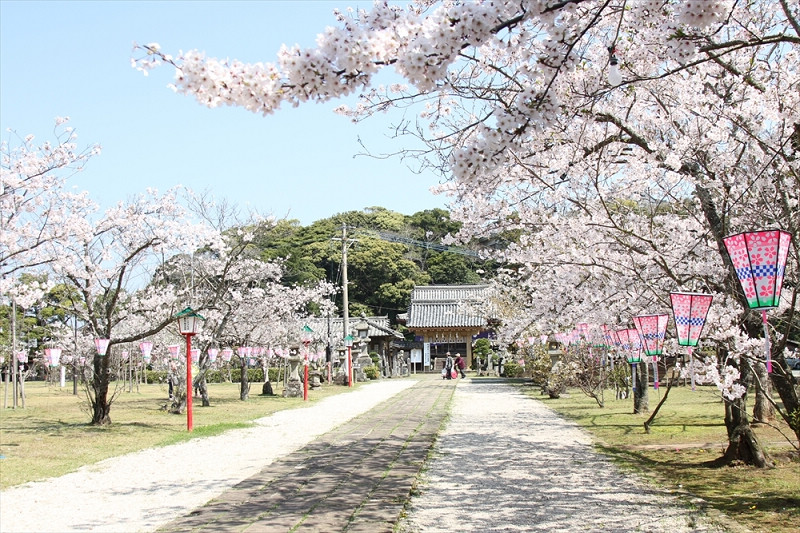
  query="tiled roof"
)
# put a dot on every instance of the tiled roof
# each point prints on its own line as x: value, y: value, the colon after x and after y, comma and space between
x: 378, y: 326
x: 437, y: 306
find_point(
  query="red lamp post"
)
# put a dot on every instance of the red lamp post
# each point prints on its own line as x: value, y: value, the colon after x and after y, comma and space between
x: 305, y: 338
x: 690, y: 310
x: 759, y: 258
x: 189, y: 325
x: 348, y: 341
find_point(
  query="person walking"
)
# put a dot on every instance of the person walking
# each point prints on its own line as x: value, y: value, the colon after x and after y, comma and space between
x: 448, y: 366
x: 461, y: 365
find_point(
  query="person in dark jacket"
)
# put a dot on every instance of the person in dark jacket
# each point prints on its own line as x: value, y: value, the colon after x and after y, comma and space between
x: 461, y: 365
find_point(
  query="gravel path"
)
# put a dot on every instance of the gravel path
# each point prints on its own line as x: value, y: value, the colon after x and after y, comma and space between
x: 144, y: 490
x: 506, y: 462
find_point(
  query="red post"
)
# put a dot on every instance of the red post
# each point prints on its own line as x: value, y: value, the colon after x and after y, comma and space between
x: 189, y: 382
x: 305, y: 376
x: 349, y: 366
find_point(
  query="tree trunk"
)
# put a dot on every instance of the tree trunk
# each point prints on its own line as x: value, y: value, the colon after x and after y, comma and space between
x: 244, y: 385
x: 641, y: 402
x: 202, y: 388
x: 763, y: 411
x: 742, y: 442
x: 649, y: 421
x: 781, y: 378
x: 101, y: 406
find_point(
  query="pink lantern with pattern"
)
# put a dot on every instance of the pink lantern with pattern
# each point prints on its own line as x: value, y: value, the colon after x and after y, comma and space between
x: 690, y: 310
x: 227, y: 353
x: 628, y: 340
x: 759, y: 258
x: 652, y: 331
x: 146, y: 347
x: 195, y: 355
x: 212, y: 354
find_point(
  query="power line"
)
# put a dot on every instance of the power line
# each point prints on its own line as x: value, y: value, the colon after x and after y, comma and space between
x: 394, y: 237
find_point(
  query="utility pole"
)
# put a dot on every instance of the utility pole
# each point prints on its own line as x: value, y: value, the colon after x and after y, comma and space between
x: 345, y: 300
x: 345, y: 310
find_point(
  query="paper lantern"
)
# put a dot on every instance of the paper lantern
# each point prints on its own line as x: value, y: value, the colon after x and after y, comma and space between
x: 212, y: 354
x: 174, y: 350
x: 652, y: 331
x: 690, y: 310
x: 227, y: 353
x: 146, y: 347
x: 102, y: 346
x: 759, y: 258
x: 53, y: 356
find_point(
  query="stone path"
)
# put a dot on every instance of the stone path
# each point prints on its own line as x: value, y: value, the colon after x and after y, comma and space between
x: 506, y: 462
x: 436, y: 456
x: 355, y: 478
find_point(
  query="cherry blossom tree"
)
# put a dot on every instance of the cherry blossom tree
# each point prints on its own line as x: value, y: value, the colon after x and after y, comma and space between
x: 36, y: 209
x: 245, y: 302
x: 623, y: 139
x: 111, y: 267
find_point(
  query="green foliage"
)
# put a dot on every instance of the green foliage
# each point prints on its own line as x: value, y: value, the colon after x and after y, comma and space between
x: 155, y: 376
x: 381, y: 273
x: 512, y: 369
x: 254, y: 375
x: 371, y: 371
x: 447, y: 269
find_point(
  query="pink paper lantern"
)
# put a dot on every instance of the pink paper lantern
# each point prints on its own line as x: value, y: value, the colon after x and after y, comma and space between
x: 652, y: 330
x: 759, y: 258
x: 53, y: 356
x: 174, y: 351
x: 195, y: 355
x: 690, y: 310
x: 146, y: 347
x: 227, y: 353
x: 212, y: 354
x: 102, y: 346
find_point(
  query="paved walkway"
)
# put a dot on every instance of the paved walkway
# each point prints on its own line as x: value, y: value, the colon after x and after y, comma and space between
x: 502, y: 462
x: 355, y: 478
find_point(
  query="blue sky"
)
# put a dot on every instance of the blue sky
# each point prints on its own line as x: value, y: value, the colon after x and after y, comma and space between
x: 73, y: 59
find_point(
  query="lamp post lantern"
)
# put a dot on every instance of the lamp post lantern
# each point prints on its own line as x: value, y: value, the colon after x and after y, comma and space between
x: 348, y: 341
x: 305, y: 338
x: 690, y: 310
x: 759, y: 258
x: 189, y: 325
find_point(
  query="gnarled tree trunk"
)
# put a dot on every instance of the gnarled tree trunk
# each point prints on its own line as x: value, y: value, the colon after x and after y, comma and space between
x: 742, y: 442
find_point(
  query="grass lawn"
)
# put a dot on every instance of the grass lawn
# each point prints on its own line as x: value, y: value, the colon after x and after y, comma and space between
x: 51, y: 436
x: 686, y: 437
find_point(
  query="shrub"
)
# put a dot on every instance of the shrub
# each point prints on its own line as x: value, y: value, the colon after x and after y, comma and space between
x: 371, y: 372
x: 512, y: 369
x: 155, y: 376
